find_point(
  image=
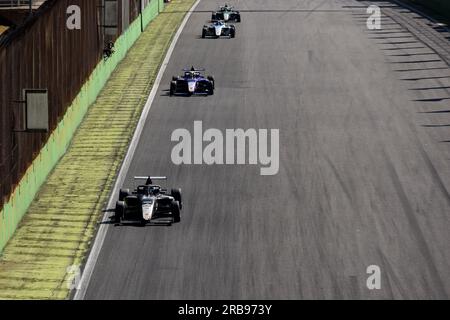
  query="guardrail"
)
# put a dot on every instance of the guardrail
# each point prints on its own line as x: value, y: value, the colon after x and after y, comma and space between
x: 15, y: 3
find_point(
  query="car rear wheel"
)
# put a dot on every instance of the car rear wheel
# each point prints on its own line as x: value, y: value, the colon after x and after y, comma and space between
x: 203, y: 34
x: 176, y: 211
x: 123, y: 193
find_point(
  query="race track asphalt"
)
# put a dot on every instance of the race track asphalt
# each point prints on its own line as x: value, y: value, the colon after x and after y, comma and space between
x: 364, y: 166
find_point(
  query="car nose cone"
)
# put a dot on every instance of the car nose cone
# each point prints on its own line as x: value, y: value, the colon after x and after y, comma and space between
x: 147, y: 212
x: 191, y: 86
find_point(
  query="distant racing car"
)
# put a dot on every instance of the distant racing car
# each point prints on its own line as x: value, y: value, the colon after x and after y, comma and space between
x: 192, y: 82
x: 226, y: 13
x: 219, y: 29
x: 149, y: 204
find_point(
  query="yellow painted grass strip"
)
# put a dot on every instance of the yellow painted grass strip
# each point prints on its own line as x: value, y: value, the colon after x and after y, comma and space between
x: 3, y: 29
x: 60, y: 223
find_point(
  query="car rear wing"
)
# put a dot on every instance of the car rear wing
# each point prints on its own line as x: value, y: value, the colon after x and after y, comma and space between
x: 193, y: 69
x: 149, y: 177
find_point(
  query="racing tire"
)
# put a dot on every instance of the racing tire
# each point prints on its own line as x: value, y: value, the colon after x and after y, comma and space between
x: 176, y: 194
x: 238, y: 18
x: 232, y: 33
x: 213, y: 82
x: 211, y: 87
x: 213, y: 17
x: 176, y: 211
x: 119, y: 211
x: 203, y: 34
x: 123, y: 193
x: 172, y: 89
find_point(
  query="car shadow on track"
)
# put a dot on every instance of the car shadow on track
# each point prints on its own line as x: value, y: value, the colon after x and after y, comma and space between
x: 111, y: 221
x: 133, y: 224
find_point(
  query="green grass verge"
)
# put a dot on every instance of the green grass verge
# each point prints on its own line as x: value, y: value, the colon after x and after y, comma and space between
x: 60, y: 224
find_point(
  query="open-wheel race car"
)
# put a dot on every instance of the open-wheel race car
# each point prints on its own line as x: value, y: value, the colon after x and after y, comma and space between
x: 192, y: 82
x: 226, y: 13
x: 219, y: 29
x: 149, y: 204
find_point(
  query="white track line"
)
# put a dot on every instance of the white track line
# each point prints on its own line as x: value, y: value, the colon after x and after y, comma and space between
x: 101, y: 234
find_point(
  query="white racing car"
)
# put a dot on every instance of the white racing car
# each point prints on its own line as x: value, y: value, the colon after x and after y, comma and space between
x: 219, y: 29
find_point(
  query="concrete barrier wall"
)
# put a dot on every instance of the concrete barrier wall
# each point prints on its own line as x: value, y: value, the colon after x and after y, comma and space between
x: 57, y: 144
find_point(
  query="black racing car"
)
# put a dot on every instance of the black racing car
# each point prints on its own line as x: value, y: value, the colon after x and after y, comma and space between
x: 226, y: 13
x: 149, y: 203
x: 219, y: 29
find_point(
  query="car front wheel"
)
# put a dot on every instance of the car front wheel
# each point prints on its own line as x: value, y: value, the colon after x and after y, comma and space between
x: 176, y: 211
x: 176, y: 194
x: 119, y: 211
x: 123, y: 193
